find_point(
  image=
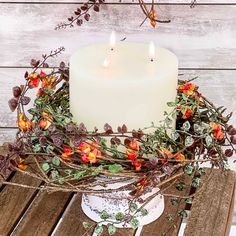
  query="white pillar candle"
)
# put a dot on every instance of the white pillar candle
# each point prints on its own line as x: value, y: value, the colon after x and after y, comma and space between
x: 130, y: 89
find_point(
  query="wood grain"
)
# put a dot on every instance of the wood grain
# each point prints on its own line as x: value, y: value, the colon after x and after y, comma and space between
x: 129, y: 1
x: 210, y: 212
x: 218, y: 85
x: 162, y: 226
x: 43, y: 213
x: 198, y: 36
x: 9, y: 175
x: 74, y: 217
x: 13, y: 201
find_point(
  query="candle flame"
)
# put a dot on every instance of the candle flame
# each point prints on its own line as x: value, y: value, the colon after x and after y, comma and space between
x: 113, y: 40
x: 106, y: 63
x: 152, y: 50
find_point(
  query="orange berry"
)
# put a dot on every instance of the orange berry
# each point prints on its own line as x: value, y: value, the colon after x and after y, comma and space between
x: 84, y: 147
x: 137, y: 165
x: 134, y: 145
x: 46, y: 116
x: 165, y: 153
x: 219, y: 135
x: 153, y: 23
x: 65, y: 157
x: 92, y: 157
x: 84, y: 158
x: 22, y: 166
x: 180, y: 157
x: 131, y: 154
x: 68, y: 150
x: 187, y: 114
x: 44, y: 124
x: 42, y: 74
x: 34, y: 80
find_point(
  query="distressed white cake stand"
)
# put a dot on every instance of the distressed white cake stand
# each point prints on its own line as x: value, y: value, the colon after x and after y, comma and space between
x: 94, y: 205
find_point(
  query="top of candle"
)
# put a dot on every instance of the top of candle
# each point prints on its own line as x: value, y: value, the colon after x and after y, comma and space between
x: 130, y: 61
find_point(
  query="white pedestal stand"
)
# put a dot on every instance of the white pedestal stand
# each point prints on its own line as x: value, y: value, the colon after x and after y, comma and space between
x: 94, y: 205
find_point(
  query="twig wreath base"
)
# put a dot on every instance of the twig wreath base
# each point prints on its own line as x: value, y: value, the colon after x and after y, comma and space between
x: 67, y: 157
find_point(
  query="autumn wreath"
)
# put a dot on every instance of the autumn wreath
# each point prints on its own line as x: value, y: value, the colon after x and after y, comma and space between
x: 49, y: 146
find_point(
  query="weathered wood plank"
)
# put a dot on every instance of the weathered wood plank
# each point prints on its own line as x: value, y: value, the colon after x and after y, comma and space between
x: 162, y: 226
x: 9, y: 175
x: 218, y: 85
x: 210, y: 214
x: 231, y: 214
x: 42, y: 214
x: 72, y: 217
x: 13, y: 201
x: 198, y: 36
x: 210, y: 2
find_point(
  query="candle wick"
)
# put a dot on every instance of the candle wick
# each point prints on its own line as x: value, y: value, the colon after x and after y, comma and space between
x: 112, y: 49
x: 152, y: 59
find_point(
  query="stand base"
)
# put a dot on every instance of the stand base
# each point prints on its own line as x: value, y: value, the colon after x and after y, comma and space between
x: 115, y: 202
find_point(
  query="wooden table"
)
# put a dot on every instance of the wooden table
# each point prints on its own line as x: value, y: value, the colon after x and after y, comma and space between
x: 29, y: 212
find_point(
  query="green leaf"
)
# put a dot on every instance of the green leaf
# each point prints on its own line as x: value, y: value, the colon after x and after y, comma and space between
x: 37, y: 148
x: 197, y: 129
x: 98, y: 230
x: 38, y: 101
x: 185, y: 97
x: 208, y: 140
x: 180, y: 186
x: 189, y: 200
x: 175, y: 136
x: 61, y: 180
x: 86, y: 225
x: 111, y: 229
x: 103, y: 142
x: 144, y: 211
x: 33, y: 137
x: 188, y: 169
x: 170, y: 104
x: 33, y: 111
x: 49, y: 149
x: 115, y: 168
x: 169, y: 217
x: 133, y: 207
x: 45, y: 166
x: 186, y: 126
x: 79, y: 174
x: 104, y: 215
x: 68, y: 171
x: 56, y: 161
x: 67, y: 120
x: 174, y: 201
x: 168, y: 121
x: 174, y: 115
x: 196, y: 182
x: 134, y: 223
x: 182, y: 213
x: 119, y: 216
x: 55, y: 174
x: 188, y: 141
